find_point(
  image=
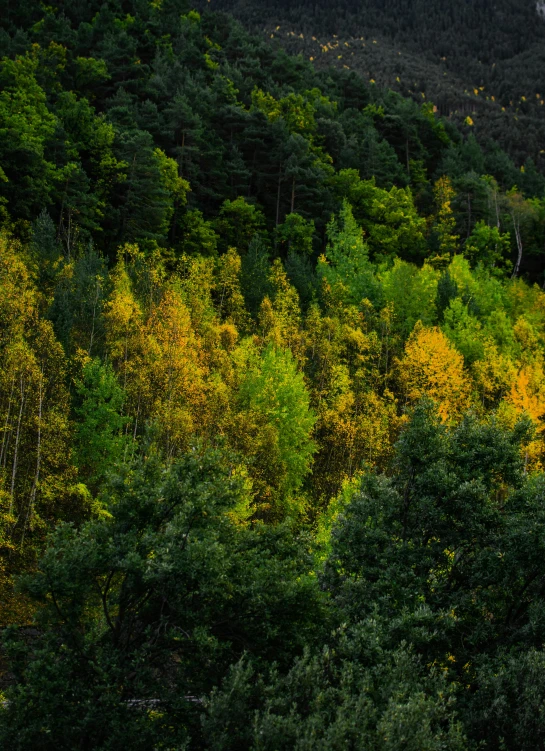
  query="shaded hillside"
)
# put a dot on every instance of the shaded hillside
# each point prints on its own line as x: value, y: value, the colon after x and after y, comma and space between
x: 483, y: 59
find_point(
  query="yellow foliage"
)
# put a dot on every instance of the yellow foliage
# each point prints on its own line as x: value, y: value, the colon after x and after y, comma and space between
x: 528, y: 340
x: 356, y: 425
x: 527, y: 397
x: 280, y: 317
x: 173, y: 359
x: 527, y: 394
x: 230, y: 299
x: 432, y: 368
x: 123, y: 319
x: 228, y: 336
x: 35, y: 469
x: 493, y: 376
x: 172, y: 372
x: 18, y: 295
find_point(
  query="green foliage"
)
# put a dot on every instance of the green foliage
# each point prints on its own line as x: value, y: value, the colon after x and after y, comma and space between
x: 198, y: 235
x: 474, y: 64
x: 27, y: 128
x: 150, y: 190
x: 255, y: 274
x: 487, y: 246
x: 271, y: 410
x: 334, y: 700
x: 464, y: 331
x: 77, y: 305
x: 237, y: 224
x: 447, y: 290
x: 47, y: 249
x: 116, y: 592
x: 389, y: 217
x: 296, y: 235
x: 99, y: 442
x: 275, y: 389
x: 347, y: 273
x: 422, y: 539
x: 412, y: 292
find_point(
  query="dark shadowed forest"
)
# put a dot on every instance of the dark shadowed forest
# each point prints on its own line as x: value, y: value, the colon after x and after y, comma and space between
x: 479, y: 59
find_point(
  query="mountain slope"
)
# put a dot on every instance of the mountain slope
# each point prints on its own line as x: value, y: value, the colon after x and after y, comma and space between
x: 483, y: 59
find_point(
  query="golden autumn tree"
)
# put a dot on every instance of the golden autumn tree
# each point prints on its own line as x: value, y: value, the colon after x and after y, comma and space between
x: 19, y: 294
x: 527, y: 393
x: 357, y: 416
x: 432, y: 368
x: 211, y: 292
x: 527, y: 398
x: 170, y: 351
x: 174, y: 371
x: 230, y: 301
x: 493, y: 376
x: 280, y: 314
x: 125, y: 341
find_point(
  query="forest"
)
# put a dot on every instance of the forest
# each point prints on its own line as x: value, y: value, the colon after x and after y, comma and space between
x: 477, y: 58
x: 272, y: 399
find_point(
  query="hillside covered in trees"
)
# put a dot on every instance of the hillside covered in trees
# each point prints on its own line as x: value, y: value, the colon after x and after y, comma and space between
x: 272, y: 400
x: 471, y: 58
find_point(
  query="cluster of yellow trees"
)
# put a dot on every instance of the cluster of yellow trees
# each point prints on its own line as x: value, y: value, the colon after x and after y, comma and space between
x: 302, y: 399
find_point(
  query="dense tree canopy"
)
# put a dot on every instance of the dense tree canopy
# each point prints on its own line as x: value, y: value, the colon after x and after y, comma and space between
x: 477, y: 61
x: 272, y: 403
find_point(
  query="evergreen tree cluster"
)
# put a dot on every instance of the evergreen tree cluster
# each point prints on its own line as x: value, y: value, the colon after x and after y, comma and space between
x: 137, y: 124
x: 475, y: 59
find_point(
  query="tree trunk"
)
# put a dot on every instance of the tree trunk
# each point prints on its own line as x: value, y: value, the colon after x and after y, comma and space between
x: 5, y: 442
x: 95, y: 303
x: 516, y: 225
x: 16, y: 451
x: 32, y: 503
